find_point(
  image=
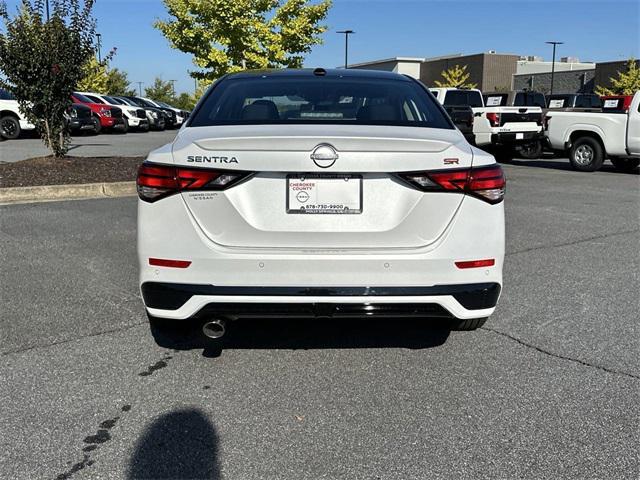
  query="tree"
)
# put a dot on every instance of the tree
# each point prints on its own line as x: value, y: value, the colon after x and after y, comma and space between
x: 627, y: 83
x: 184, y: 101
x: 95, y: 77
x: 456, y: 76
x: 118, y: 83
x: 42, y: 61
x: 231, y: 35
x: 161, y: 91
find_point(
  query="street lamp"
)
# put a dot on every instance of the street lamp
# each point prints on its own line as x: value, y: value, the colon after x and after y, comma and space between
x: 140, y: 87
x: 346, y: 45
x: 99, y: 35
x: 47, y: 10
x: 173, y: 88
x: 553, y: 62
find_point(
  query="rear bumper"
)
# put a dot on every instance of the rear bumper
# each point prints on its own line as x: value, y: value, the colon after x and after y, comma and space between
x: 180, y: 301
x: 515, y: 137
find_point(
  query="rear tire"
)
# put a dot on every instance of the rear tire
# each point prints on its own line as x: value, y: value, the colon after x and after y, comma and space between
x: 586, y: 155
x: 469, y: 324
x: 9, y: 127
x: 625, y: 164
x: 530, y: 151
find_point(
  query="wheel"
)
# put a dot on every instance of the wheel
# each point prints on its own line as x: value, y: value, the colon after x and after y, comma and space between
x: 126, y: 127
x: 586, y: 155
x: 97, y: 126
x: 625, y: 164
x: 10, y: 127
x: 530, y: 150
x: 470, y: 324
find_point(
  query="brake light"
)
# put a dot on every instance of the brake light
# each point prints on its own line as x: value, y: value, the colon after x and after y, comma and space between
x: 485, y: 183
x: 158, y: 181
x: 494, y: 119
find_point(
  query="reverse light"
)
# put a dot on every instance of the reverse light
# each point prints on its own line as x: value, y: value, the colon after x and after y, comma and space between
x: 165, y: 262
x: 485, y: 183
x: 489, y: 262
x: 158, y: 181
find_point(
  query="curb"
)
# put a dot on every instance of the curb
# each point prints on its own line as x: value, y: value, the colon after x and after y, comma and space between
x: 50, y: 193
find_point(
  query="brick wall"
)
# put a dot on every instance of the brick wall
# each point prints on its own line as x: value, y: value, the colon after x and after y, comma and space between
x: 572, y: 81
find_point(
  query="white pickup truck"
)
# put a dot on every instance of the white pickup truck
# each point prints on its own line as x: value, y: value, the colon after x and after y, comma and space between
x: 506, y: 128
x: 12, y: 121
x: 589, y: 137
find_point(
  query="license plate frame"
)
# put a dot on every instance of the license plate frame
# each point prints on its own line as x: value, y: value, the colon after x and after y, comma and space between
x: 324, y: 176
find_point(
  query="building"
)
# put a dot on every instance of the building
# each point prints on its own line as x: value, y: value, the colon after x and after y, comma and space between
x: 606, y: 70
x: 403, y: 65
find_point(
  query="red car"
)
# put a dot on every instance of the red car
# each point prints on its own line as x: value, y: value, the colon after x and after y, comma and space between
x: 104, y: 116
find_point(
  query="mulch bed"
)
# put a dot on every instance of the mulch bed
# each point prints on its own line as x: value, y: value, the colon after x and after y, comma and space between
x: 68, y: 170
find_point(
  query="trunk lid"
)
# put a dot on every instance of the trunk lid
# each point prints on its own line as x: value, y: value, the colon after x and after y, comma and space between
x: 254, y: 213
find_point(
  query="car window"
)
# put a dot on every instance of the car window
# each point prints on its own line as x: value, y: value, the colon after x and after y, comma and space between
x: 474, y: 98
x: 113, y: 100
x: 305, y: 100
x: 5, y: 95
x: 529, y: 99
x: 583, y: 101
x: 83, y: 98
x: 596, y: 101
x: 94, y: 99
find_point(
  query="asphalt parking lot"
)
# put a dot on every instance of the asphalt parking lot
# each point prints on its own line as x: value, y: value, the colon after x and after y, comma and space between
x: 549, y: 388
x: 133, y: 144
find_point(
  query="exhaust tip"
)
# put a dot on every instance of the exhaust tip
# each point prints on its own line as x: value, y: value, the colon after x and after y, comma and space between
x: 214, y: 328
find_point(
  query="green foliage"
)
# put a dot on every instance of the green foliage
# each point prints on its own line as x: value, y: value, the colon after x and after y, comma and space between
x: 231, y: 35
x: 627, y: 83
x: 184, y: 101
x: 161, y: 91
x: 456, y: 76
x: 95, y: 77
x: 118, y: 83
x: 42, y: 61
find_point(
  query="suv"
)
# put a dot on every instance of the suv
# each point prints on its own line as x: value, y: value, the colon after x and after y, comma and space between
x: 319, y: 193
x: 12, y: 121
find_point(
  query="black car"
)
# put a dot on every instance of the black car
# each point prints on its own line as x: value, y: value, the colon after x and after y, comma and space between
x: 170, y: 115
x: 157, y: 118
x: 80, y: 119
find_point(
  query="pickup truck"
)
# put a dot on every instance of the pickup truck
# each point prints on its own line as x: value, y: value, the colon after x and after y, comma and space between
x: 503, y: 128
x: 459, y: 105
x: 589, y: 137
x: 12, y: 121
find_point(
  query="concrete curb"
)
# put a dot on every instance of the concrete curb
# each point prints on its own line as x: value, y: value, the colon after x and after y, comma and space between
x: 50, y: 193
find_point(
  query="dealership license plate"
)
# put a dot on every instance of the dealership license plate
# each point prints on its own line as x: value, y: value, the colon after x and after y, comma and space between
x: 335, y: 193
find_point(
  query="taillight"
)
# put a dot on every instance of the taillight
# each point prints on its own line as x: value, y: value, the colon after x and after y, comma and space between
x: 485, y: 183
x: 158, y: 181
x: 494, y: 119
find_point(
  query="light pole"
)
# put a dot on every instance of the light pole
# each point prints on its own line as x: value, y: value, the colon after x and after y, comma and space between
x: 140, y: 88
x: 47, y: 10
x: 553, y: 62
x: 346, y: 45
x: 173, y: 88
x: 99, y: 36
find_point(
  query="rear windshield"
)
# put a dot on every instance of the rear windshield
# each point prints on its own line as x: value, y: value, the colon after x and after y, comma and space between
x: 470, y: 98
x: 529, y: 99
x: 588, y: 101
x: 319, y: 100
x: 559, y: 101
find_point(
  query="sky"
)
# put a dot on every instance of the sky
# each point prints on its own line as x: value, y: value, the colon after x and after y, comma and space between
x: 592, y: 31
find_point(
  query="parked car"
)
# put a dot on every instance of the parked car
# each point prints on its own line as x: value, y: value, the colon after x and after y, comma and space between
x: 156, y: 117
x: 104, y: 116
x: 180, y: 112
x: 12, y: 120
x: 135, y: 117
x: 80, y: 119
x: 589, y: 137
x: 585, y: 102
x: 498, y: 125
x: 179, y: 115
x: 319, y: 193
x: 171, y: 119
x: 616, y: 103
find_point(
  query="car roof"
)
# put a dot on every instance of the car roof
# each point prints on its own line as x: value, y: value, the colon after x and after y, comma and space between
x: 328, y: 72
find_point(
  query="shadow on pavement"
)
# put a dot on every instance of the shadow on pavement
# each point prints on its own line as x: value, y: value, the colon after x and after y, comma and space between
x: 319, y: 333
x: 563, y: 164
x: 181, y: 444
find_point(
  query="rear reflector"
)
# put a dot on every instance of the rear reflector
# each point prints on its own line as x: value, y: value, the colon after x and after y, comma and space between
x: 163, y: 262
x: 489, y: 262
x: 486, y: 183
x: 157, y: 181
